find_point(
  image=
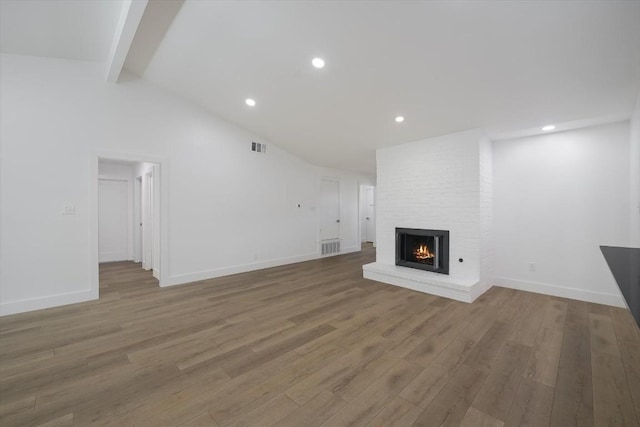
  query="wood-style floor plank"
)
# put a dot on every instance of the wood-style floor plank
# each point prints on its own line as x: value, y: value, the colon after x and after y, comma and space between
x: 315, y: 344
x: 203, y: 420
x: 531, y: 405
x: 573, y: 397
x: 543, y: 363
x: 497, y: 392
x: 476, y: 418
x: 450, y: 406
x: 363, y: 408
x: 314, y: 412
x: 398, y: 413
x: 612, y: 403
x: 630, y: 355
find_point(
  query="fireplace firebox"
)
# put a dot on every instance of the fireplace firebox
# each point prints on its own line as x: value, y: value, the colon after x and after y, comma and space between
x: 423, y: 249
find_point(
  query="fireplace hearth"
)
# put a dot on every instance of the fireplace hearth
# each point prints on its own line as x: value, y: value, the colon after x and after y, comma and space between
x: 423, y: 249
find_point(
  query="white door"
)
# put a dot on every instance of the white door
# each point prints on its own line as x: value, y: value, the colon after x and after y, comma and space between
x: 113, y: 208
x: 370, y: 222
x: 329, y: 209
x: 147, y: 221
x: 137, y: 225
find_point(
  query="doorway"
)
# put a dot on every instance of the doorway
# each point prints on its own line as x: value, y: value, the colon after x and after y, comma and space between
x: 367, y: 212
x: 126, y: 223
x: 147, y: 174
x: 137, y: 223
x: 147, y: 224
x: 329, y: 232
x: 113, y: 220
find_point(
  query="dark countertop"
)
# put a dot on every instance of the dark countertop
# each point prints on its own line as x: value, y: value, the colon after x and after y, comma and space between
x: 624, y: 263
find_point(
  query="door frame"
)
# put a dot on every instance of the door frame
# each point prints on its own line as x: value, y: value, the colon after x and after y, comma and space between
x: 366, y: 189
x: 148, y: 223
x: 161, y: 181
x: 362, y: 202
x: 137, y: 219
x: 129, y: 219
x: 329, y: 178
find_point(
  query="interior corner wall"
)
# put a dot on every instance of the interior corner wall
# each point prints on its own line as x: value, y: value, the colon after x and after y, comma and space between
x: 557, y: 198
x: 223, y: 198
x: 634, y: 177
x: 486, y: 248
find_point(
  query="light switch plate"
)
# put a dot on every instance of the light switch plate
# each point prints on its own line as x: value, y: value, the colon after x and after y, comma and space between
x: 69, y: 210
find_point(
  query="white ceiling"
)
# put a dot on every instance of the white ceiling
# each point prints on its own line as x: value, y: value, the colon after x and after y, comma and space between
x: 444, y: 65
x: 70, y: 29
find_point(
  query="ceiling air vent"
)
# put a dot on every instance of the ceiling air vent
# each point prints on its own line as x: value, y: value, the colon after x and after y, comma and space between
x: 258, y: 147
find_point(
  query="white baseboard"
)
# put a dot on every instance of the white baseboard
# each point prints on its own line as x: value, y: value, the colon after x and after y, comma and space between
x: 113, y: 257
x: 562, y: 291
x: 226, y: 271
x: 425, y: 281
x: 350, y: 249
x: 22, y: 306
x: 14, y: 307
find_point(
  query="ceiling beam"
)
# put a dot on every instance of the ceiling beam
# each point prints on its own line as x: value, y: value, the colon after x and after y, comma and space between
x: 130, y: 17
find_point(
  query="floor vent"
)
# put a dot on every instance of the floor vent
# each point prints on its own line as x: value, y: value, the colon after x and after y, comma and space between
x: 329, y: 247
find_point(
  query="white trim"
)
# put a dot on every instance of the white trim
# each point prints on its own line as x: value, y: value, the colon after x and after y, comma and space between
x: 425, y: 281
x: 360, y: 213
x: 137, y: 219
x: 22, y: 306
x: 115, y: 256
x: 148, y: 220
x: 226, y: 271
x: 562, y: 291
x: 351, y: 249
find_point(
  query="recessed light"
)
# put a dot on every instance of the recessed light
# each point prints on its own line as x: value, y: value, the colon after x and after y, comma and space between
x: 318, y: 62
x: 548, y: 128
x: 250, y: 102
x: 399, y: 119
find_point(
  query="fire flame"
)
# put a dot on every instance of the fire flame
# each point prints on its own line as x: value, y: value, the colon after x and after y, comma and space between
x: 423, y: 252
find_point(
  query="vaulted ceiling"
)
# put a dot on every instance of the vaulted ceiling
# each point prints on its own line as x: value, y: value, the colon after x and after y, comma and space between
x: 69, y: 29
x: 446, y: 66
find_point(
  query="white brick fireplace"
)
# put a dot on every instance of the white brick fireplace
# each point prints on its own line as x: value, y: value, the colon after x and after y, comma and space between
x: 442, y: 183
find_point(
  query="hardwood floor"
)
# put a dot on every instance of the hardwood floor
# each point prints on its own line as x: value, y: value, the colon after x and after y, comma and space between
x: 314, y: 344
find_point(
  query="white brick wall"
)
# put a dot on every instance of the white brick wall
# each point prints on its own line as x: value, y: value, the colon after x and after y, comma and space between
x: 486, y: 212
x: 439, y: 183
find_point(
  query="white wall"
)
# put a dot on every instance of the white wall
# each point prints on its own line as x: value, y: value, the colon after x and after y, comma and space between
x: 557, y: 198
x: 634, y: 176
x: 223, y: 198
x: 487, y: 255
x: 123, y: 172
